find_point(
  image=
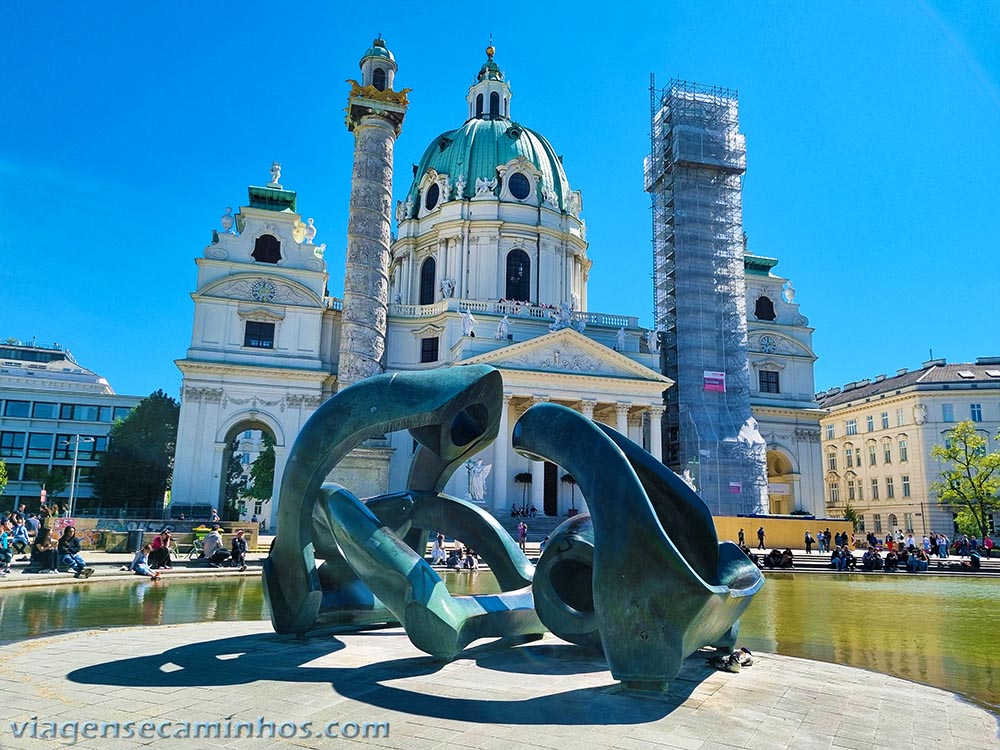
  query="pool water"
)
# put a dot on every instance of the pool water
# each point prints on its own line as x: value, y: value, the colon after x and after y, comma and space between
x: 937, y: 630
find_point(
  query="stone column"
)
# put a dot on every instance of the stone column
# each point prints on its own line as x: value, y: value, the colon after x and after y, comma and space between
x: 538, y: 473
x: 621, y: 417
x: 587, y: 407
x: 635, y: 428
x: 656, y: 432
x: 501, y: 449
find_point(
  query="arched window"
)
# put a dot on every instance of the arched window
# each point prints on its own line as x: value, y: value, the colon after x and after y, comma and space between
x: 479, y: 105
x: 378, y: 79
x: 267, y: 249
x: 518, y: 276
x: 494, y: 106
x: 893, y: 521
x: 764, y: 309
x: 428, y: 272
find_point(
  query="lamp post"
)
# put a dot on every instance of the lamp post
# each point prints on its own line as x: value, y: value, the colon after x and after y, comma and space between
x: 72, y: 477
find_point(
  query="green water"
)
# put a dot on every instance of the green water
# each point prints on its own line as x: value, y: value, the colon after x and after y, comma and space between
x: 937, y: 630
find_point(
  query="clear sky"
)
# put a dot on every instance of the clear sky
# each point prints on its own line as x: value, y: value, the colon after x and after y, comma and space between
x: 872, y: 137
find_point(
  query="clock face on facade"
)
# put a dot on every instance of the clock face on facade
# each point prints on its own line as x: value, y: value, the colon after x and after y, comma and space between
x: 263, y: 290
x: 768, y: 344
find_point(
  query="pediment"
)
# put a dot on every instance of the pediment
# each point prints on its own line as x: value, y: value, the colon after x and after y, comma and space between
x: 259, y: 288
x: 567, y: 352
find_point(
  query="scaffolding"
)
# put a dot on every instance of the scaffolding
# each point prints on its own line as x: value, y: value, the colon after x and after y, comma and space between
x: 694, y: 176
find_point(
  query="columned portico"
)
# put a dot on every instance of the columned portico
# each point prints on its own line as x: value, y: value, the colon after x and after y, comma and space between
x: 500, y: 459
x: 656, y: 431
x: 538, y: 469
x: 621, y: 417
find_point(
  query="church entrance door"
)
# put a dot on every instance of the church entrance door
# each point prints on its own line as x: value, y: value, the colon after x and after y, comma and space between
x: 551, y: 489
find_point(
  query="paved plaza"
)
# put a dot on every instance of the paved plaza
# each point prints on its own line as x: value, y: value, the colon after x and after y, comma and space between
x: 545, y: 694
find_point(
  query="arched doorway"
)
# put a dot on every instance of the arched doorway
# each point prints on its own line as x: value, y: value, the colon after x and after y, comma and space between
x: 247, y: 476
x: 780, y: 487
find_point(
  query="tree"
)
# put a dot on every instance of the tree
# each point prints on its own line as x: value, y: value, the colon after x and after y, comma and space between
x: 571, y: 481
x: 970, y: 475
x: 850, y: 514
x: 236, y: 483
x: 136, y: 469
x: 262, y: 471
x: 3, y: 475
x: 54, y: 480
x: 523, y: 479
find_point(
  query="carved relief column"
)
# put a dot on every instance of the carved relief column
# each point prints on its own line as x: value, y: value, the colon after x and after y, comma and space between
x: 621, y: 417
x: 500, y: 449
x: 538, y: 472
x: 656, y: 432
x: 375, y: 118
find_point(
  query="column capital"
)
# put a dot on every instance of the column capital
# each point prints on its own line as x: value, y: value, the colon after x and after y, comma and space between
x: 622, y: 407
x: 539, y: 399
x: 507, y: 397
x: 587, y: 407
x: 656, y: 412
x: 634, y: 420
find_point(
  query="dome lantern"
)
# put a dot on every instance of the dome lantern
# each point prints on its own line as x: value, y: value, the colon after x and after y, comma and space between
x: 489, y: 97
x: 378, y: 66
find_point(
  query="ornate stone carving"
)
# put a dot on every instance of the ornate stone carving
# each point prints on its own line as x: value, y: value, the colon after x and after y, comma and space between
x: 250, y: 288
x: 553, y: 358
x: 484, y: 186
x: 275, y: 173
x: 227, y: 220
x: 460, y: 187
x: 574, y: 203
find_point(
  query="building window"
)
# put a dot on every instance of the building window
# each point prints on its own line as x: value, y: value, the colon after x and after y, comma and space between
x: 834, y: 489
x: 893, y: 522
x: 518, y: 276
x: 12, y: 444
x: 975, y: 412
x: 871, y: 454
x: 494, y: 106
x: 247, y: 435
x: 861, y: 523
x: 40, y: 444
x: 947, y: 413
x: 900, y: 418
x: 874, y: 489
x: 885, y: 420
x: 850, y: 490
x: 17, y: 409
x: 903, y: 452
x: 831, y: 460
x: 43, y: 410
x: 890, y: 490
x: 245, y: 459
x: 887, y: 451
x: 906, y: 484
x: 764, y: 308
x: 852, y: 427
x: 908, y: 523
x: 431, y: 196
x: 429, y: 349
x: 479, y: 105
x: 267, y: 249
x: 830, y: 432
x: 849, y: 457
x: 259, y: 335
x: 428, y: 274
x: 861, y: 491
x: 768, y: 381
x: 877, y: 523
x: 519, y: 186
x: 378, y: 79
x: 871, y: 423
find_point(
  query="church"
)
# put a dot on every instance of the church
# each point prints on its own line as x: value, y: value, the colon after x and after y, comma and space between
x: 488, y: 265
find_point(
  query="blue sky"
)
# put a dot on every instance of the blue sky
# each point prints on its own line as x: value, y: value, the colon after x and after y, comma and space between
x: 872, y: 138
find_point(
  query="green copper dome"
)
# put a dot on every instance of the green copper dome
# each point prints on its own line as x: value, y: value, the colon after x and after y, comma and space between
x: 378, y: 49
x: 476, y: 149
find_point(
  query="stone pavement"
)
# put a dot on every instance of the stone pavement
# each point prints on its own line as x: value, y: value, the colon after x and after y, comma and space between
x: 545, y: 694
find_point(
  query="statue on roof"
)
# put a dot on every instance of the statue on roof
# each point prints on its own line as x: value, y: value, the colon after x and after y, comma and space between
x: 275, y: 173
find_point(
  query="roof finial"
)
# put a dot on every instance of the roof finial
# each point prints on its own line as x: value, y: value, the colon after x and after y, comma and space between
x: 490, y: 50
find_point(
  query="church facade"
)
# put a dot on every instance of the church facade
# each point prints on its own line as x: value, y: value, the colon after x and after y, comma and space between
x: 490, y: 265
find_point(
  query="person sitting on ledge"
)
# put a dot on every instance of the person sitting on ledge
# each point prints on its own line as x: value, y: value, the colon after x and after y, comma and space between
x: 43, y: 552
x: 239, y: 550
x: 214, y: 549
x: 140, y: 563
x: 438, y: 551
x: 891, y: 562
x: 787, y: 558
x: 836, y: 560
x: 871, y: 560
x: 5, y: 553
x: 454, y: 559
x: 160, y: 556
x: 69, y: 553
x: 773, y: 559
x: 753, y: 557
x: 471, y: 560
x: 20, y: 541
x: 850, y: 561
x: 912, y: 563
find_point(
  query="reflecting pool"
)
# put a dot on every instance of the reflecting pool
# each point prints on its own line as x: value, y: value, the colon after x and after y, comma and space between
x: 932, y: 629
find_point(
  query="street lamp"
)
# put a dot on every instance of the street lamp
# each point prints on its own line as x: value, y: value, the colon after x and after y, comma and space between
x: 72, y: 477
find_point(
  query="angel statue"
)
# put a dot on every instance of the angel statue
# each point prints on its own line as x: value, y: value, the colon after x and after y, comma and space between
x: 477, y: 479
x: 275, y: 172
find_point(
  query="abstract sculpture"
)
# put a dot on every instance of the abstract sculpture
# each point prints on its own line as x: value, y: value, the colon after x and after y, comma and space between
x: 642, y: 576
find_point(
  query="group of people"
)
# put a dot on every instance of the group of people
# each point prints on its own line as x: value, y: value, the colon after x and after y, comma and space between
x: 460, y: 558
x: 823, y: 540
x: 526, y: 511
x: 33, y: 537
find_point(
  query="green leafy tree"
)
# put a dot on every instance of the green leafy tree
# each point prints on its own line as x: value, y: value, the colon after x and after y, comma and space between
x: 55, y: 480
x: 236, y: 483
x: 135, y: 471
x: 970, y: 476
x: 3, y: 475
x: 262, y: 471
x: 850, y: 514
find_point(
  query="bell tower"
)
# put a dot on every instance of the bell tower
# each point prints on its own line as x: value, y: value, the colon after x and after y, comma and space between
x: 375, y: 115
